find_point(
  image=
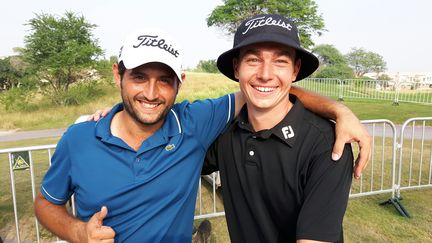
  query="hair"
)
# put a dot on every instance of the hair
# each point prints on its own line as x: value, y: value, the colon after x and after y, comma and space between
x: 121, y: 69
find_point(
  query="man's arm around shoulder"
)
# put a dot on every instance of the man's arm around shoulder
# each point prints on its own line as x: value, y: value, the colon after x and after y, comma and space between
x: 348, y: 127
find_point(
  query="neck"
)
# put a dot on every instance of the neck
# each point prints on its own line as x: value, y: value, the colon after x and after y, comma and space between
x: 263, y: 119
x: 132, y: 132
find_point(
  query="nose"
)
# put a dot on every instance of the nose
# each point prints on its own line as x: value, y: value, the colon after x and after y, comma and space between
x: 265, y: 71
x: 151, y: 90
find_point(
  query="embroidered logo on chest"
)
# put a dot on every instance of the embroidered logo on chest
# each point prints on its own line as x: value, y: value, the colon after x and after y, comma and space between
x: 169, y: 147
x: 287, y: 132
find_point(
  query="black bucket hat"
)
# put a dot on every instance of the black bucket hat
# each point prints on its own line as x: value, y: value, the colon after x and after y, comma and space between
x: 267, y: 28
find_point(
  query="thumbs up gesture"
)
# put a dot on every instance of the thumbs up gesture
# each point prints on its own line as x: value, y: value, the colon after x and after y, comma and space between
x: 96, y: 231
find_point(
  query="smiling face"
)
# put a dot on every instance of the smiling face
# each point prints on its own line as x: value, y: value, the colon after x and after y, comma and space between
x: 148, y: 92
x: 265, y: 72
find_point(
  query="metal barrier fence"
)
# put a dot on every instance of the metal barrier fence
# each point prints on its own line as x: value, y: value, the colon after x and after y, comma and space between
x: 415, y: 159
x: 24, y: 164
x: 370, y: 89
x: 379, y: 176
x: 27, y: 166
x: 331, y: 87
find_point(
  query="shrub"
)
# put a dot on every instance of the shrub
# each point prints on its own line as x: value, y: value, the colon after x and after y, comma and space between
x: 18, y: 99
x: 77, y: 94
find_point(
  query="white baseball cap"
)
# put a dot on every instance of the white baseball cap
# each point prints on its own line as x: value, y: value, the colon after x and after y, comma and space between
x: 151, y: 45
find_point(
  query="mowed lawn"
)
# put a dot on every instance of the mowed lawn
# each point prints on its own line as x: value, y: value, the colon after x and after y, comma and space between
x: 365, y: 221
x: 197, y: 86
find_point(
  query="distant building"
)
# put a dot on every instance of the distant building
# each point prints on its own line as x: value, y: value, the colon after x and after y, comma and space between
x: 407, y: 80
x: 415, y: 80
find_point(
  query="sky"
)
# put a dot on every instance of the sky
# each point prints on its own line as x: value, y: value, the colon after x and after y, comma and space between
x: 399, y: 30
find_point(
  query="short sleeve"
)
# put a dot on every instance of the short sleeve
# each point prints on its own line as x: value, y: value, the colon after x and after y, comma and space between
x: 56, y: 185
x: 325, y: 197
x: 210, y: 117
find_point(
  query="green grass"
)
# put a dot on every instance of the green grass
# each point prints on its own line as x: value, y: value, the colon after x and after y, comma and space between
x: 24, y: 194
x: 352, y: 89
x: 365, y: 221
x: 196, y: 86
x: 29, y: 142
x: 55, y: 116
x: 378, y: 109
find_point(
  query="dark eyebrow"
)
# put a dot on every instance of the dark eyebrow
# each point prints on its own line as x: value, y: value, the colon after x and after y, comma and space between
x: 284, y: 52
x: 250, y: 52
x: 136, y: 71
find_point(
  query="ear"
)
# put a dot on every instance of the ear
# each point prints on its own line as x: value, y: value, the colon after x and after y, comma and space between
x: 183, y: 76
x: 116, y: 74
x: 179, y: 83
x: 235, y: 67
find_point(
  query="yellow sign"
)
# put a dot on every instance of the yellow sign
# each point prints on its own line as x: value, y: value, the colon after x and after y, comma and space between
x: 20, y: 161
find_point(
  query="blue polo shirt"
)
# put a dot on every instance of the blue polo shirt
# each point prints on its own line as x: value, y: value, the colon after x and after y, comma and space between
x: 150, y: 193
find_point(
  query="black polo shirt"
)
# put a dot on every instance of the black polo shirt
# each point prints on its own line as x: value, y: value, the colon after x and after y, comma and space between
x: 281, y: 184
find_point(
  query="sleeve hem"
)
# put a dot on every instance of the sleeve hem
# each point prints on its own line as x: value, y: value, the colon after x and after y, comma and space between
x: 51, y: 198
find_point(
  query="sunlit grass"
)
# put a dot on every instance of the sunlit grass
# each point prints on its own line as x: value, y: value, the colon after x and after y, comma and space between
x: 365, y: 221
x: 196, y: 86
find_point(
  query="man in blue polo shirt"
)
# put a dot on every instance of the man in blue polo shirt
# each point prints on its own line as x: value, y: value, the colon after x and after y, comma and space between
x: 135, y: 173
x: 142, y: 162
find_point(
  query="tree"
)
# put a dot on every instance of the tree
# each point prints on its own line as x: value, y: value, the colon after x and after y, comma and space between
x: 333, y: 64
x: 329, y: 55
x: 208, y: 66
x: 365, y: 62
x: 303, y: 12
x: 340, y: 71
x: 57, y: 49
x: 12, y: 70
x: 384, y: 77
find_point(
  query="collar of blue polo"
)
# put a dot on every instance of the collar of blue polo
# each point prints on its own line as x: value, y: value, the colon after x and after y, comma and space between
x: 170, y: 128
x: 285, y: 130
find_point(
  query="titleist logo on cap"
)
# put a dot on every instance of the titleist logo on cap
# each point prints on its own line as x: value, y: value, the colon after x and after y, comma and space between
x: 265, y: 21
x: 153, y: 41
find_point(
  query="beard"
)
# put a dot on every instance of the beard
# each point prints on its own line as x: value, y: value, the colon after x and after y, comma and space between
x: 131, y: 108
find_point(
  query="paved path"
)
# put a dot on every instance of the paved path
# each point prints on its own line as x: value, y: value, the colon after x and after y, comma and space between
x: 418, y: 130
x: 6, y: 136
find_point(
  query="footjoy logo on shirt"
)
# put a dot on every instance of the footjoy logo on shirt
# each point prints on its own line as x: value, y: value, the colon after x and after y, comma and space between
x: 154, y: 41
x: 287, y: 132
x: 263, y: 21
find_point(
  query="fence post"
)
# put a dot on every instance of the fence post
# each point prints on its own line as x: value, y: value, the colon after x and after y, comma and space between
x: 396, y: 97
x: 14, y: 201
x: 340, y: 98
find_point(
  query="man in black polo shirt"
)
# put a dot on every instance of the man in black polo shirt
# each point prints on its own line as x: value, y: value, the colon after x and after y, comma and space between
x: 279, y: 181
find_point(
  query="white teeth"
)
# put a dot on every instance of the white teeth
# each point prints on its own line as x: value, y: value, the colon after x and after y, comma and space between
x: 265, y: 89
x: 147, y: 105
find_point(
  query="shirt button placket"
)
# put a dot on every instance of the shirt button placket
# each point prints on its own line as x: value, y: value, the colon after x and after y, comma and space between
x: 250, y: 149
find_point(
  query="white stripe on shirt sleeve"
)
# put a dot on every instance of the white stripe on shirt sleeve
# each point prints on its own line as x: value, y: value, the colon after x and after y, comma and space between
x: 60, y: 200
x: 229, y: 108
